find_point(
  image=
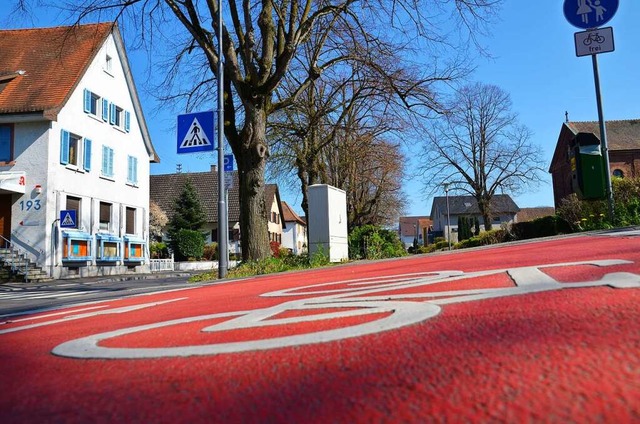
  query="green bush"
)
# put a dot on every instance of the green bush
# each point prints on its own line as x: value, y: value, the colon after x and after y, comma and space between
x: 626, y: 193
x: 373, y: 242
x: 210, y: 252
x: 189, y: 244
x: 158, y: 250
x: 594, y: 214
x: 541, y: 227
x: 485, y: 238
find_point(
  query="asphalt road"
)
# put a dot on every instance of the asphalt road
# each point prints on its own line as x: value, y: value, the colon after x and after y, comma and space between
x: 18, y: 298
x: 531, y: 332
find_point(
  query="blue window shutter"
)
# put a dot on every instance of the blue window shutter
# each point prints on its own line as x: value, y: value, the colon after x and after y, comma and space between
x: 64, y: 147
x: 135, y: 170
x: 112, y: 113
x: 111, y: 162
x: 87, y: 100
x: 127, y: 120
x: 105, y: 160
x: 87, y: 155
x: 105, y: 110
x: 129, y: 169
x: 132, y: 172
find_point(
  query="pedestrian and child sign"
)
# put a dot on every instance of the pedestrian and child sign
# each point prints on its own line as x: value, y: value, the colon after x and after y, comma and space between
x: 195, y: 132
x: 588, y: 14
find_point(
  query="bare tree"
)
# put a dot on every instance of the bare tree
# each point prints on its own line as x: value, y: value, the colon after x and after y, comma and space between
x: 157, y: 220
x: 259, y: 42
x: 479, y: 147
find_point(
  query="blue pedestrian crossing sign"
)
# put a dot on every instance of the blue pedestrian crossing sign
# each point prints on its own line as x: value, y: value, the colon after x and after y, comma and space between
x: 588, y: 14
x: 195, y: 132
x: 68, y: 219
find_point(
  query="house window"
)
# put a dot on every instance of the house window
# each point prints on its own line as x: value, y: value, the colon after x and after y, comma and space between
x: 618, y: 173
x: 496, y: 219
x: 93, y: 103
x: 132, y: 170
x: 108, y: 64
x: 107, y: 162
x: 105, y: 216
x: 6, y: 143
x: 131, y: 221
x: 74, y: 150
x: 74, y: 203
x: 118, y: 120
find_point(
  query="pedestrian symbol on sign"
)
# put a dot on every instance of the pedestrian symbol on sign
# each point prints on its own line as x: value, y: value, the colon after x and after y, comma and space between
x: 195, y: 136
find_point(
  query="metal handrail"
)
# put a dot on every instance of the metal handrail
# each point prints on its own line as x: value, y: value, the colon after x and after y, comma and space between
x: 15, y: 251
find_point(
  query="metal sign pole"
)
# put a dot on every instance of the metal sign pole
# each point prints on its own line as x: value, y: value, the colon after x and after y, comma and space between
x: 603, y: 137
x: 223, y: 251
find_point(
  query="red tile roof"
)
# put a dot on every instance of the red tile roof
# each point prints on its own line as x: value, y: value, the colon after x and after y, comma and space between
x: 53, y: 61
x: 290, y: 215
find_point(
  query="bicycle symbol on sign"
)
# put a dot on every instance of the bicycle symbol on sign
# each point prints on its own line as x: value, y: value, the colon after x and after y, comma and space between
x: 593, y: 37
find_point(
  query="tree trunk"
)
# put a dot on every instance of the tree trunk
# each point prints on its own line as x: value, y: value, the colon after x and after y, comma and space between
x: 485, y: 210
x: 251, y: 157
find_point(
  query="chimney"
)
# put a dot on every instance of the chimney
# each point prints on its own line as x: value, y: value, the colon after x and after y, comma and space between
x: 214, y: 168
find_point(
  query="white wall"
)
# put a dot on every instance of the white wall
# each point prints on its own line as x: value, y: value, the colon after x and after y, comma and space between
x: 294, y: 237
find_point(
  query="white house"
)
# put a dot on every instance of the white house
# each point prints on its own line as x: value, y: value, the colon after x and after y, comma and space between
x: 294, y: 235
x: 74, y: 152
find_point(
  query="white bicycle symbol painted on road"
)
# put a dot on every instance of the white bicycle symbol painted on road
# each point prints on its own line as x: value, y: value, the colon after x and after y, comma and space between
x: 358, y: 297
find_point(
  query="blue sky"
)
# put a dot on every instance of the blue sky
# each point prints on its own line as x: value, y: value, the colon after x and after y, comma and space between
x: 533, y: 59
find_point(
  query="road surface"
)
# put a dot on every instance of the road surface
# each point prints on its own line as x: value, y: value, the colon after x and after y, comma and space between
x: 534, y: 332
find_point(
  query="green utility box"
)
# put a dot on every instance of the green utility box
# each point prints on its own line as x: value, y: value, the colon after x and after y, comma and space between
x: 587, y: 167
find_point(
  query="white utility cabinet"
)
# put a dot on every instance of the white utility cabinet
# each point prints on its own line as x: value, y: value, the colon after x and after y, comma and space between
x: 328, y: 222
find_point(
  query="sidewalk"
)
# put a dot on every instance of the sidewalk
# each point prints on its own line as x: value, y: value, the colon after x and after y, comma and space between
x: 102, y: 279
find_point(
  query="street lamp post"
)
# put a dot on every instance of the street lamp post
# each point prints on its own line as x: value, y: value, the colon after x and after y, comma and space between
x: 446, y: 191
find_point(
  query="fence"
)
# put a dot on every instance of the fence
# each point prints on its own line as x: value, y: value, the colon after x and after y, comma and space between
x: 157, y: 265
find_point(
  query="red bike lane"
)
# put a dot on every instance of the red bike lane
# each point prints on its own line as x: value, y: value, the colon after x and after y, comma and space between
x: 543, y: 331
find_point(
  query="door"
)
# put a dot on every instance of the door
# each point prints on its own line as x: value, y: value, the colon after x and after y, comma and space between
x: 5, y: 216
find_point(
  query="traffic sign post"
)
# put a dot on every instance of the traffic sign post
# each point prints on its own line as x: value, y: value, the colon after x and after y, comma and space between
x: 223, y: 212
x: 588, y: 14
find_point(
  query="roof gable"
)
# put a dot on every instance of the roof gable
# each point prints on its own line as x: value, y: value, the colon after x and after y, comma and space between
x: 41, y: 67
x: 289, y: 215
x: 53, y: 60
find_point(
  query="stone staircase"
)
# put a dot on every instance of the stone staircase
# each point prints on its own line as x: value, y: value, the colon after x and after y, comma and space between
x: 16, y: 267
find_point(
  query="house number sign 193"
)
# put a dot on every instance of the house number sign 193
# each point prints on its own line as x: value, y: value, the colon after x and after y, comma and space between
x: 30, y: 204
